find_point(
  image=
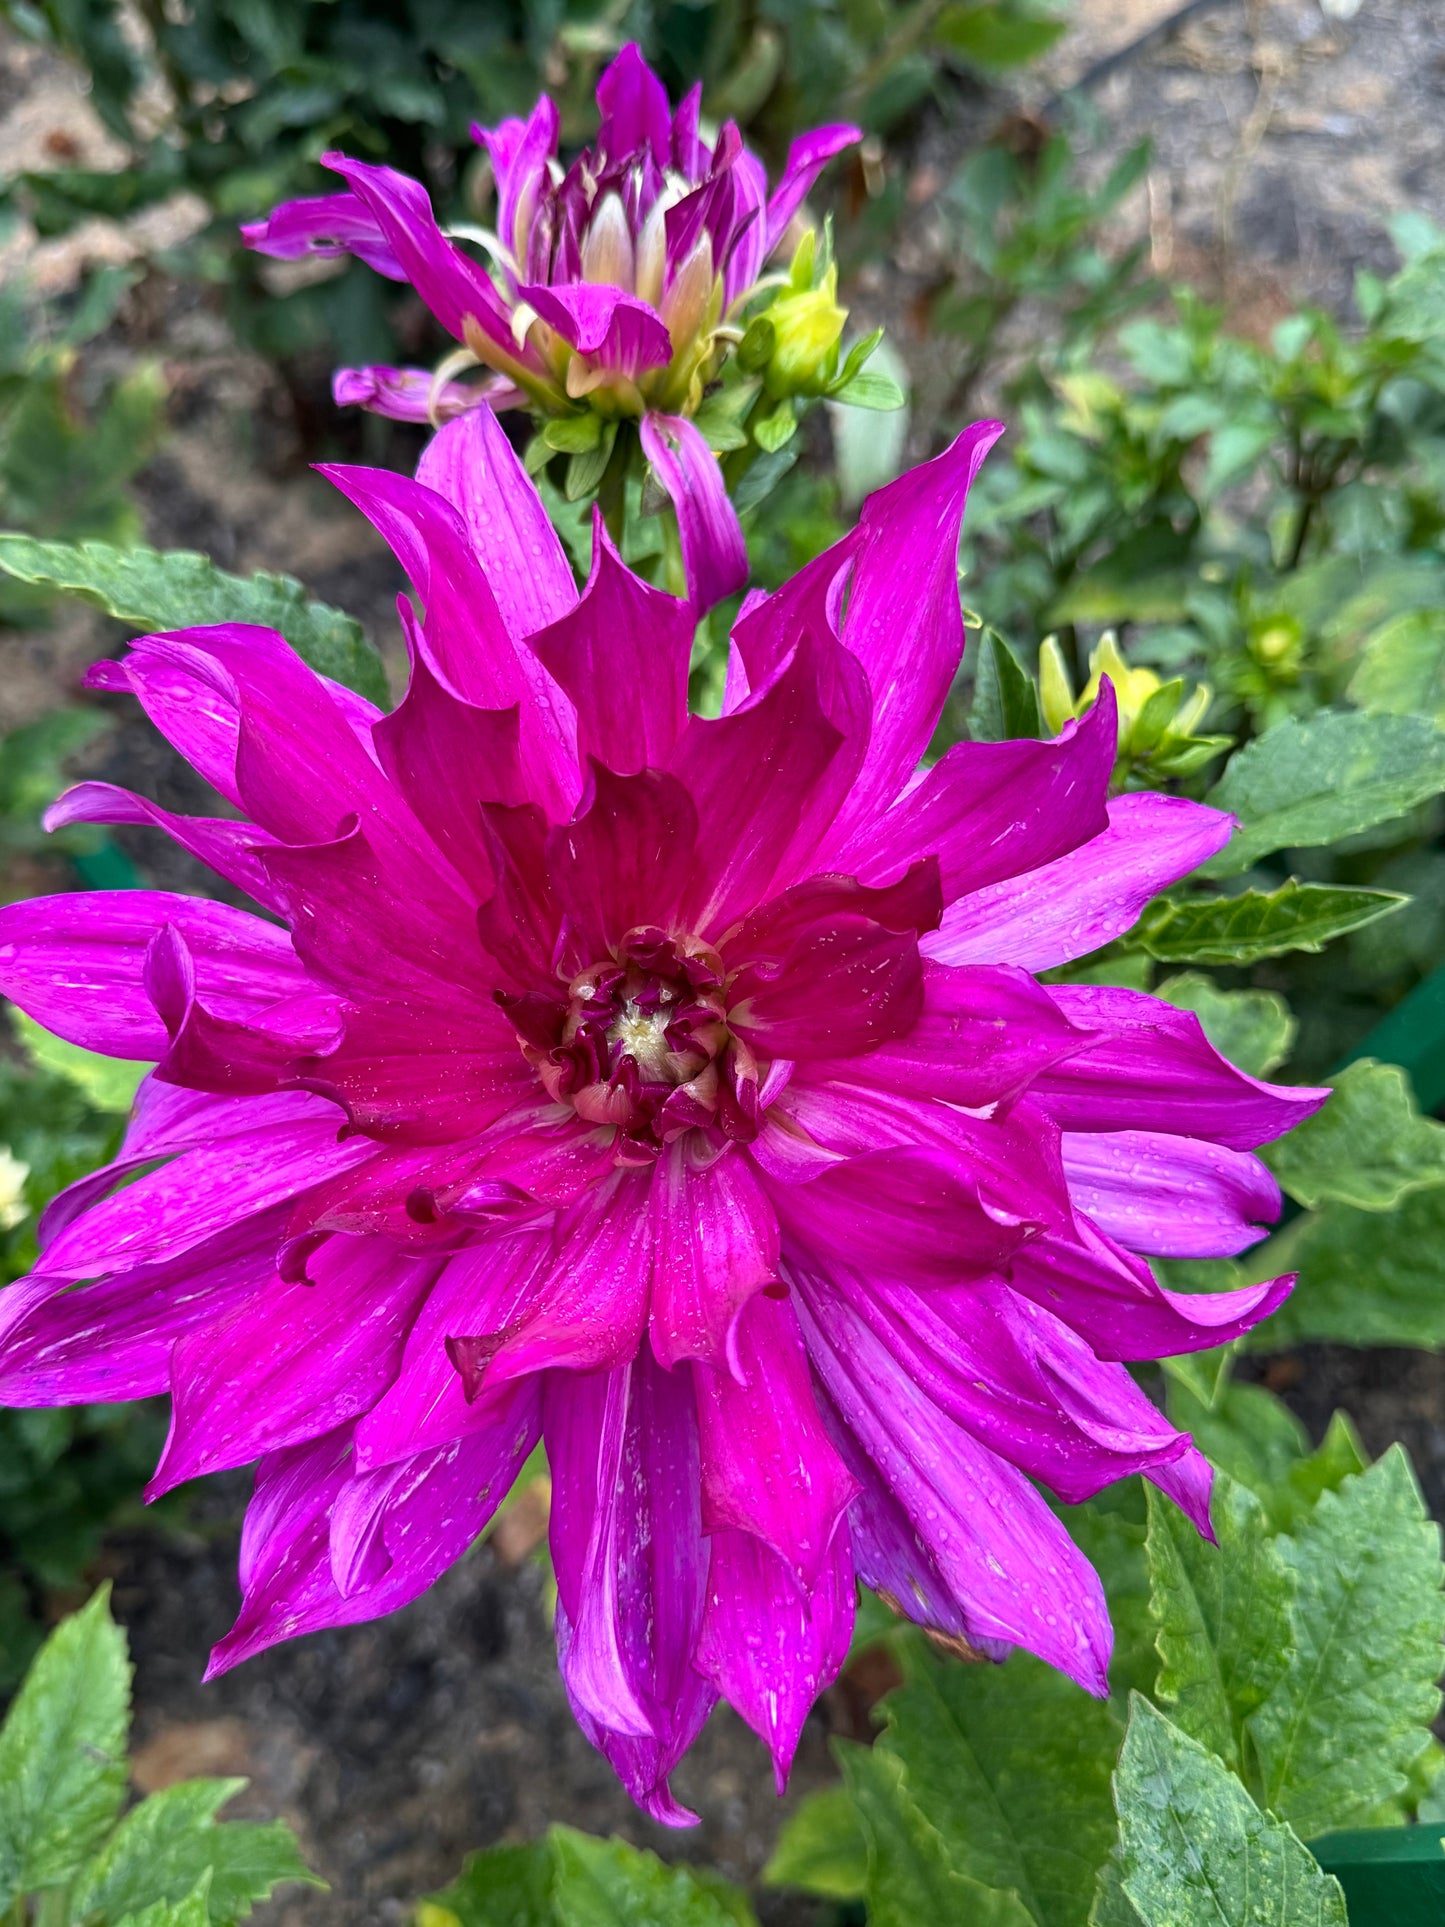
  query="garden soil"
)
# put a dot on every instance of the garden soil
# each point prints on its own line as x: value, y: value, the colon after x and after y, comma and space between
x: 1284, y: 137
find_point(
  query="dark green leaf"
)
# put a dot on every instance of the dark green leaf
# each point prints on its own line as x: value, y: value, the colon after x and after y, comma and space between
x: 606, y: 1883
x: 503, y: 1887
x: 1368, y: 1147
x: 822, y: 1848
x: 1367, y: 1278
x: 1242, y: 930
x: 1005, y: 699
x: 1252, y: 1028
x: 179, y: 590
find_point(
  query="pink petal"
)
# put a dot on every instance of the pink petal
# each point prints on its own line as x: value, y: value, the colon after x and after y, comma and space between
x: 985, y: 1033
x: 412, y: 394
x: 520, y: 151
x: 615, y: 331
x: 991, y: 810
x: 324, y: 225
x: 807, y: 157
x: 626, y: 859
x: 768, y: 1649
x: 903, y: 619
x: 75, y: 964
x: 424, y: 1072
x: 296, y: 1360
x: 228, y: 847
x: 1178, y: 1197
x: 1082, y: 901
x: 1114, y: 1301
x: 632, y: 102
x: 715, y: 1245
x: 622, y: 655
x: 448, y: 281
x: 1151, y: 1068
x: 1009, y: 1564
x: 714, y: 554
x: 631, y: 1567
x: 844, y: 987
x: 471, y: 464
x: 768, y: 1466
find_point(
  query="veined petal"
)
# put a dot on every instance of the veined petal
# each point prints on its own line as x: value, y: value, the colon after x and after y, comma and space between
x: 715, y: 1245
x: 627, y: 857
x: 807, y: 157
x: 1084, y: 900
x: 76, y: 964
x: 412, y: 394
x: 844, y: 987
x: 769, y: 1649
x: 1149, y: 1067
x: 520, y: 151
x: 324, y: 225
x: 228, y: 847
x: 768, y: 1466
x: 471, y: 464
x: 714, y: 554
x: 615, y: 331
x: 622, y: 655
x: 632, y: 103
x: 1178, y: 1197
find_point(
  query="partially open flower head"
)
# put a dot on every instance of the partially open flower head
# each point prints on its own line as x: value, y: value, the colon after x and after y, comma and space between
x: 614, y: 282
x: 1158, y: 721
x: 677, y: 1090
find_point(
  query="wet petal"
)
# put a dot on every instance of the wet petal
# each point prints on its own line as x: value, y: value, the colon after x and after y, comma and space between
x: 714, y: 554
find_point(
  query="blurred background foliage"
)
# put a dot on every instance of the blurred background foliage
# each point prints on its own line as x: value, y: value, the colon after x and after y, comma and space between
x: 1242, y: 528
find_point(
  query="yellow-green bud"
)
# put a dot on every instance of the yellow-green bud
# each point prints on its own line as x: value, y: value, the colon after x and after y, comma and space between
x: 807, y: 327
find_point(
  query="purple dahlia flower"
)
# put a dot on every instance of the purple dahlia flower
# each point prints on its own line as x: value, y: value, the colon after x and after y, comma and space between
x: 614, y: 279
x: 678, y: 1091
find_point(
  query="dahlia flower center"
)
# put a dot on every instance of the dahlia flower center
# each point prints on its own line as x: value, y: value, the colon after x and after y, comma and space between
x: 641, y: 1041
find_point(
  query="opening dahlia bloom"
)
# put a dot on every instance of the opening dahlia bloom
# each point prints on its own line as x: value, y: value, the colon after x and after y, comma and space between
x: 677, y: 1091
x: 615, y: 283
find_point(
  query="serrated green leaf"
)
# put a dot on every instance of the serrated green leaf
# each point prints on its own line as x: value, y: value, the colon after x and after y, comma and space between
x: 910, y: 1878
x: 606, y: 1883
x: 107, y: 1083
x: 1221, y: 1613
x: 1112, y: 1906
x: 1010, y: 1765
x: 1252, y: 1028
x: 1354, y: 1705
x: 1005, y: 698
x: 1402, y: 668
x: 1338, y: 1456
x: 164, y: 1846
x: 1195, y: 1849
x: 192, y: 1911
x: 822, y: 1849
x: 1368, y: 1147
x: 178, y: 590
x: 502, y: 1887
x: 1314, y: 780
x: 1247, y: 1433
x: 1367, y: 1278
x: 1244, y: 929
x: 62, y: 1753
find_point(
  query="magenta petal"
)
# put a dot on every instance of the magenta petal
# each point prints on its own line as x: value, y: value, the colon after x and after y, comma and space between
x: 412, y: 394
x: 632, y: 103
x: 714, y: 554
x: 631, y: 1566
x: 471, y: 464
x: 414, y: 1071
x: 615, y: 331
x: 1113, y: 1300
x: 913, y: 1213
x: 520, y: 151
x: 807, y: 157
x: 903, y: 619
x: 430, y: 1518
x: 984, y: 1034
x: 229, y: 848
x: 622, y: 655
x: 844, y: 987
x: 991, y: 810
x: 1178, y: 1197
x: 448, y: 281
x: 325, y: 225
x: 177, y: 688
x: 768, y: 1466
x: 715, y: 1245
x: 1151, y: 1068
x: 1082, y: 901
x: 76, y: 964
x: 1007, y: 1561
x: 626, y: 859
x: 296, y: 1360
x: 112, y: 1340
x: 1189, y: 1482
x: 769, y: 1649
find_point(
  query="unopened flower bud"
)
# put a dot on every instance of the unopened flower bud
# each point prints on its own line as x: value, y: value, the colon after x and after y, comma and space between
x: 807, y: 327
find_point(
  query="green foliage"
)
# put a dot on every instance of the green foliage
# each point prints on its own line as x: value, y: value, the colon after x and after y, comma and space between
x: 180, y: 590
x: 63, y: 1838
x: 1195, y: 1849
x: 1252, y: 1028
x: 1248, y: 928
x: 1369, y: 1147
x: 823, y: 1848
x: 1366, y: 1278
x: 572, y: 1880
